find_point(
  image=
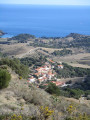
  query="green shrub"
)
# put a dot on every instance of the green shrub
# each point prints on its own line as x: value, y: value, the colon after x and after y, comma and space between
x: 69, y: 71
x: 16, y: 65
x: 62, y: 52
x: 4, y: 78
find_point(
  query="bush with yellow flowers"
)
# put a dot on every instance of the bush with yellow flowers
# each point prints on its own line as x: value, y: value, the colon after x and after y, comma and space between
x: 73, y: 115
x: 45, y: 112
x: 16, y: 117
x: 71, y: 109
x: 20, y: 77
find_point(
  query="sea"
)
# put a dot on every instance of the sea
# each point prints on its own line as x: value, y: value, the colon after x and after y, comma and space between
x: 44, y: 20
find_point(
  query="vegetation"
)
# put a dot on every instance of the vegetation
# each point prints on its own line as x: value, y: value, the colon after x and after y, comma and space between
x: 78, y: 41
x: 35, y: 104
x: 16, y: 65
x: 0, y: 54
x: 82, y: 88
x: 85, y: 85
x: 74, y: 115
x: 62, y: 52
x: 45, y: 113
x: 69, y: 92
x: 77, y: 90
x: 49, y: 44
x: 69, y: 71
x: 29, y: 61
x: 22, y: 37
x: 53, y: 89
x: 4, y: 78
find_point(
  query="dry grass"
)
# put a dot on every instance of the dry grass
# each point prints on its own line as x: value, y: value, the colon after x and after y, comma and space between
x: 50, y: 50
x: 73, y: 59
x: 15, y: 49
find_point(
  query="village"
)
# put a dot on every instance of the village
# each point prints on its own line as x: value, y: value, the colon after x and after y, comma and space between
x: 45, y: 74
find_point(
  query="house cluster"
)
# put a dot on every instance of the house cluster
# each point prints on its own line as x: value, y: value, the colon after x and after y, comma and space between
x: 45, y: 73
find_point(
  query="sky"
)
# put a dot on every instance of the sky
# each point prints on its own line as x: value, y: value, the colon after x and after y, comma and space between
x: 47, y: 2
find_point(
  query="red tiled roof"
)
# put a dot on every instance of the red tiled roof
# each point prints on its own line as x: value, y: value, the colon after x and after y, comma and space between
x: 60, y: 65
x: 51, y: 61
x: 57, y: 83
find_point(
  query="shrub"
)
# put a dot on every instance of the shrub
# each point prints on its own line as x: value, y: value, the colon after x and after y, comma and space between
x: 45, y: 112
x: 4, y: 78
x: 16, y: 117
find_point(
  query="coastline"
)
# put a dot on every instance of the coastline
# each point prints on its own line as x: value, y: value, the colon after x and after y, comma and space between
x: 7, y: 35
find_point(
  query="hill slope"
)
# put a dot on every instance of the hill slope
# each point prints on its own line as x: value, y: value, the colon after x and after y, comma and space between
x: 20, y: 94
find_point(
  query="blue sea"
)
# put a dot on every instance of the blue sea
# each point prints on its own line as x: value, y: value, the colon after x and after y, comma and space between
x: 44, y: 20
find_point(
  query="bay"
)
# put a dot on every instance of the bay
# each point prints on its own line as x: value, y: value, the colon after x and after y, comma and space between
x: 44, y: 20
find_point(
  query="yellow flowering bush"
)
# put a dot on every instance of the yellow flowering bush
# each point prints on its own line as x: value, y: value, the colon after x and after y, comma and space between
x: 71, y: 108
x: 16, y: 117
x: 45, y: 112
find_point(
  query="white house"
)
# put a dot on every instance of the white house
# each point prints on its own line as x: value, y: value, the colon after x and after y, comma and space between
x: 60, y: 66
x: 31, y: 79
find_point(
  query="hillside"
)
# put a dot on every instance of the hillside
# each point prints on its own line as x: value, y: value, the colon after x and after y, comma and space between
x: 22, y: 38
x: 76, y: 35
x: 72, y: 40
x: 23, y: 98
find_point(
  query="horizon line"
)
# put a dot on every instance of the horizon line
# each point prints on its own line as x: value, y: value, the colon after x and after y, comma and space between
x: 42, y: 4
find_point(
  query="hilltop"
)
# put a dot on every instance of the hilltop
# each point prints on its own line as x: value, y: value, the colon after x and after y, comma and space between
x: 76, y: 35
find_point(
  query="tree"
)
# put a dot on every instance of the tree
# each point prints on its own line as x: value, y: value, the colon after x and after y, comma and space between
x: 53, y: 89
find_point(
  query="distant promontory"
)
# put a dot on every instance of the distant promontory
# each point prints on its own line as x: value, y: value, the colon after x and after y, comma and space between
x: 2, y: 33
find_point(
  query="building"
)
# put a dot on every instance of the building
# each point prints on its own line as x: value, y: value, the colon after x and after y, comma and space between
x: 50, y: 75
x: 31, y: 79
x: 42, y: 79
x: 60, y: 66
x: 57, y: 83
